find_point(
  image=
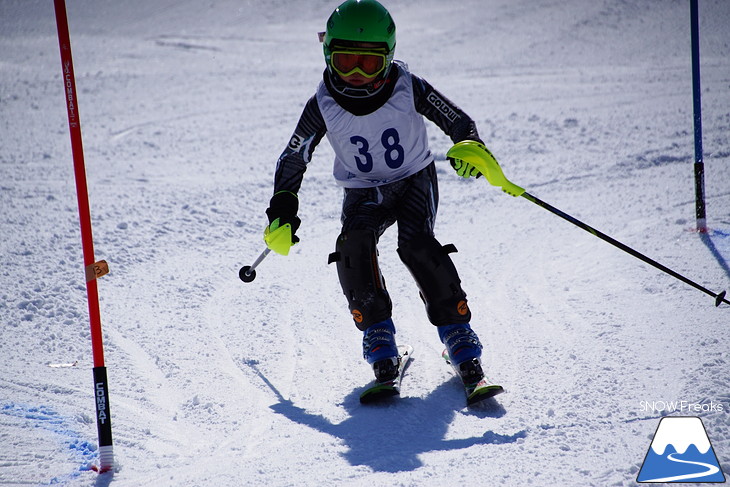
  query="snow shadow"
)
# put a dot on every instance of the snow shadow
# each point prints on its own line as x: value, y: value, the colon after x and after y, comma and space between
x: 724, y: 237
x: 390, y: 437
x: 54, y: 435
x: 104, y: 479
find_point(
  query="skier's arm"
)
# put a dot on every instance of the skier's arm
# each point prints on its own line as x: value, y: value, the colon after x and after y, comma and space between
x: 448, y: 117
x: 440, y: 110
x: 293, y: 161
x: 284, y: 205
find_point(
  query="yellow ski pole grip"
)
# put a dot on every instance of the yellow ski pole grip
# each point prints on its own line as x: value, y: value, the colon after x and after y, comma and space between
x: 279, y: 239
x: 479, y: 156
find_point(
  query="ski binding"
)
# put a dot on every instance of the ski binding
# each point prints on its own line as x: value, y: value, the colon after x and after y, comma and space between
x: 377, y: 391
x: 475, y: 392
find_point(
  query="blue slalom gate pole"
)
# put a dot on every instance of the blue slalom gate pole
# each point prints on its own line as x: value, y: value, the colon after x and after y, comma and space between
x: 699, y: 165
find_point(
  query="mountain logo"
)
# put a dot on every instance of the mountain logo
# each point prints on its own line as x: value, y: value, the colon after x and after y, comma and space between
x: 680, y: 452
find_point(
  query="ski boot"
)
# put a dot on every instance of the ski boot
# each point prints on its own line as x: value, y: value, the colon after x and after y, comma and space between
x: 464, y: 349
x: 380, y: 350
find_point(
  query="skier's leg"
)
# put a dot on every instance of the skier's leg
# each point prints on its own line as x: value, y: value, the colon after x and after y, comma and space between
x: 446, y: 303
x: 433, y: 270
x: 426, y: 259
x: 356, y: 255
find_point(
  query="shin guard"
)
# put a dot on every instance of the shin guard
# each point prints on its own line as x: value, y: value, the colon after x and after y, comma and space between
x: 356, y: 256
x: 437, y: 279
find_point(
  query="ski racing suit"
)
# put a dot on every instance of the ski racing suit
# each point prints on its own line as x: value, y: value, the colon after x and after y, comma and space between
x: 383, y: 162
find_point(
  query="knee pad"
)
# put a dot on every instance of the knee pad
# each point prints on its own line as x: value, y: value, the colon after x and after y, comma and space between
x: 437, y: 279
x: 356, y: 256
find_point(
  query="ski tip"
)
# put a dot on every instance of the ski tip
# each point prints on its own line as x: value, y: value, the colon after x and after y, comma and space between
x: 483, y: 393
x: 405, y: 350
x: 445, y: 356
x: 378, y: 394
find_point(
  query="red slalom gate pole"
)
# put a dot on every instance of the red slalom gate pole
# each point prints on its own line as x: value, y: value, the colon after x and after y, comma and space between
x: 93, y: 269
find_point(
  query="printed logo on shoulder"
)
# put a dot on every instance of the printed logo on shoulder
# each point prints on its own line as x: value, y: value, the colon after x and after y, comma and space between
x: 442, y: 106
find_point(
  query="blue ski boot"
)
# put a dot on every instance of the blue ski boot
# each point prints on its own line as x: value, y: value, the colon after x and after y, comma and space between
x: 380, y: 350
x: 464, y: 349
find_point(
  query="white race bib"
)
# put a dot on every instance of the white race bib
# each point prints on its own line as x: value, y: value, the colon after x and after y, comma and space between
x: 384, y: 146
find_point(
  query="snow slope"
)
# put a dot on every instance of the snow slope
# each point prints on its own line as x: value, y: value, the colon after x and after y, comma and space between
x: 185, y: 107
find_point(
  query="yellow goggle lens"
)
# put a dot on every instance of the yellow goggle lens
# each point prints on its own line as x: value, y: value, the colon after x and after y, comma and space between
x: 367, y: 63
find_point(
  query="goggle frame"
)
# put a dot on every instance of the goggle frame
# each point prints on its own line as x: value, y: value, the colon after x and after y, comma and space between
x: 381, y: 53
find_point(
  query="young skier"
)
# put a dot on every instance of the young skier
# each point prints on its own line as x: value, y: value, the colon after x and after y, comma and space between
x: 372, y: 110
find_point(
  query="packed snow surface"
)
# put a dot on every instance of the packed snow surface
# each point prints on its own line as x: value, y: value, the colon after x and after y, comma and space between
x: 185, y: 107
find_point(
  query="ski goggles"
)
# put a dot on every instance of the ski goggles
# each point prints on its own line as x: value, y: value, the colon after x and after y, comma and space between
x: 367, y: 63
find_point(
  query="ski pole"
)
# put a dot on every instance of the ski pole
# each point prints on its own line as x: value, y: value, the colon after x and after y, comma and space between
x: 719, y: 297
x: 247, y: 273
x: 476, y: 155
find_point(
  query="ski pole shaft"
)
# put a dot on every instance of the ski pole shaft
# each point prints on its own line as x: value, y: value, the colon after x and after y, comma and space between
x: 476, y: 154
x: 719, y: 297
x: 260, y: 259
x: 248, y: 273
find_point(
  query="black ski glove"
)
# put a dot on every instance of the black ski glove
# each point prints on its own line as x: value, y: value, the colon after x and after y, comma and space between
x: 283, y: 208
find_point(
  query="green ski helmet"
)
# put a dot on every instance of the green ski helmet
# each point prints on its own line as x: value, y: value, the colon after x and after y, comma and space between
x: 359, y: 21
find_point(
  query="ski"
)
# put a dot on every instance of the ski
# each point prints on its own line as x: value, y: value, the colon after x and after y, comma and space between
x: 475, y: 393
x: 377, y: 391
